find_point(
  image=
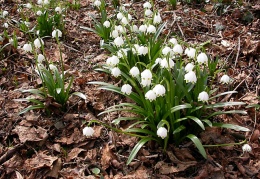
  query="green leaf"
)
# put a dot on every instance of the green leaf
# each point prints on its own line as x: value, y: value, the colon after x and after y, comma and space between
x: 79, y: 94
x: 197, y: 120
x: 31, y: 108
x: 231, y: 126
x: 176, y: 108
x: 198, y: 144
x: 162, y: 123
x: 207, y: 122
x: 217, y: 105
x: 179, y: 129
x: 227, y: 112
x: 137, y: 148
x: 118, y: 120
x: 34, y: 91
x: 138, y: 130
x: 221, y: 94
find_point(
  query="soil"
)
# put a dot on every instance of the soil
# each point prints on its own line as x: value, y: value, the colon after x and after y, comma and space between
x: 35, y: 145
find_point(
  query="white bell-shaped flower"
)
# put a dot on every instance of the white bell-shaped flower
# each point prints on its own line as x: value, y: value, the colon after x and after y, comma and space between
x: 46, y: 2
x: 40, y: 58
x: 114, y: 34
x: 225, y: 79
x: 189, y: 67
x: 190, y: 77
x: 167, y: 63
x: 97, y: 3
x: 166, y: 50
x: 58, y: 9
x: 122, y: 52
x: 135, y: 48
x: 190, y: 52
x: 143, y: 28
x: 39, y: 13
x: 148, y: 12
x: 129, y: 17
x: 40, y: 2
x: 147, y: 5
x: 162, y: 132
x: 38, y: 42
x: 203, y: 96
x: 134, y: 71
x: 158, y: 61
x: 124, y: 21
x: 159, y: 90
x: 28, y: 5
x: 88, y: 131
x: 4, y: 14
x: 119, y: 41
x: 142, y: 50
x: 151, y: 29
x: 126, y: 89
x: 157, y: 19
x: 27, y: 47
x: 177, y: 49
x: 146, y: 78
x: 119, y: 16
x: 173, y: 41
x: 202, y: 58
x: 112, y: 61
x: 134, y: 28
x: 246, y: 148
x: 116, y: 72
x: 56, y: 32
x: 106, y: 24
x: 150, y: 95
x: 6, y: 25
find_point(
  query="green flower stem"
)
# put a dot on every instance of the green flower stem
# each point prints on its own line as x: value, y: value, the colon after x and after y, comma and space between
x: 223, y: 145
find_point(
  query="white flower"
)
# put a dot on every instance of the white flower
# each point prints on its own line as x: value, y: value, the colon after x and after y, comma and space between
x: 58, y: 10
x: 246, y: 148
x: 147, y: 5
x: 97, y: 3
x: 190, y: 77
x: 39, y: 2
x: 134, y: 28
x: 114, y: 34
x: 119, y: 16
x: 157, y: 19
x: 167, y: 64
x: 202, y: 58
x: 203, y: 96
x: 112, y: 61
x: 5, y: 13
x: 189, y: 67
x: 46, y: 2
x: 27, y: 47
x: 148, y: 12
x: 151, y: 29
x: 55, y: 33
x: 146, y: 77
x: 162, y: 132
x: 190, y: 52
x: 159, y: 90
x: 143, y: 28
x: 177, y: 49
x: 5, y: 25
x: 40, y: 58
x: 166, y: 50
x: 124, y: 21
x: 121, y: 29
x: 150, y: 95
x: 27, y: 23
x: 1, y: 39
x: 129, y: 17
x: 119, y: 41
x: 116, y: 72
x: 134, y: 71
x: 173, y: 41
x: 122, y: 52
x: 88, y: 131
x: 135, y: 48
x: 126, y: 89
x: 158, y: 61
x: 225, y: 43
x: 38, y: 42
x: 106, y: 24
x: 225, y: 79
x: 39, y: 13
x: 28, y: 5
x: 53, y: 67
x: 11, y: 41
x: 142, y: 50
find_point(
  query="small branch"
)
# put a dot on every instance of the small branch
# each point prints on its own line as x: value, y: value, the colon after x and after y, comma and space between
x: 238, y: 51
x: 10, y: 153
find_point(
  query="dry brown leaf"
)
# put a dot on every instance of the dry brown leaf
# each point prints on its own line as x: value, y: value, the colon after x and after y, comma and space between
x: 15, y: 163
x: 140, y: 173
x: 54, y: 173
x: 40, y: 160
x: 30, y: 133
x: 74, y: 153
x: 107, y: 157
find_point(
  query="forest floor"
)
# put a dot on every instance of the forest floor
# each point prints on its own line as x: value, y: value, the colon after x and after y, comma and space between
x: 34, y: 145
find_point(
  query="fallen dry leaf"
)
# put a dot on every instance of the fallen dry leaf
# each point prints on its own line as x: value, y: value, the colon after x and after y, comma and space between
x: 74, y: 153
x: 40, y: 160
x: 107, y: 157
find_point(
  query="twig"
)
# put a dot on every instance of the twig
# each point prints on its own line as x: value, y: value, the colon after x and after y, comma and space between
x: 10, y: 153
x: 72, y: 48
x: 238, y: 51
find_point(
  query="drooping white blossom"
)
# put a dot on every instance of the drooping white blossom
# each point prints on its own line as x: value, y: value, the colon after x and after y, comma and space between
x: 58, y: 9
x: 158, y: 61
x: 134, y: 28
x: 246, y: 148
x: 225, y: 79
x: 162, y: 132
x: 143, y: 28
x: 38, y: 42
x: 56, y: 32
x: 202, y: 58
x: 124, y: 21
x: 147, y: 5
x: 112, y: 61
x: 119, y: 41
x: 97, y: 3
x: 177, y: 49
x: 166, y: 50
x: 119, y: 16
x: 27, y: 47
x: 116, y: 72
x: 190, y: 52
x: 39, y: 13
x: 151, y: 29
x: 88, y: 131
x: 190, y: 77
x: 46, y: 2
x: 40, y: 58
x: 173, y: 41
x: 122, y: 52
x: 189, y: 67
x: 6, y: 25
x: 146, y: 77
x: 135, y: 48
x: 148, y: 12
x: 159, y: 90
x: 157, y: 19
x: 114, y: 34
x: 4, y: 14
x: 203, y: 96
x: 142, y: 50
x: 106, y: 24
x: 134, y: 71
x: 126, y: 89
x: 150, y: 95
x: 28, y: 5
x: 167, y: 63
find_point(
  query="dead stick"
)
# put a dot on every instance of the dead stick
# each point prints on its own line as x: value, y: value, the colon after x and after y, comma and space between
x: 238, y: 51
x: 10, y: 153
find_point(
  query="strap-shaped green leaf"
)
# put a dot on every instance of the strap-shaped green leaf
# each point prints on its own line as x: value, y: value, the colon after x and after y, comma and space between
x: 198, y: 144
x: 231, y: 126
